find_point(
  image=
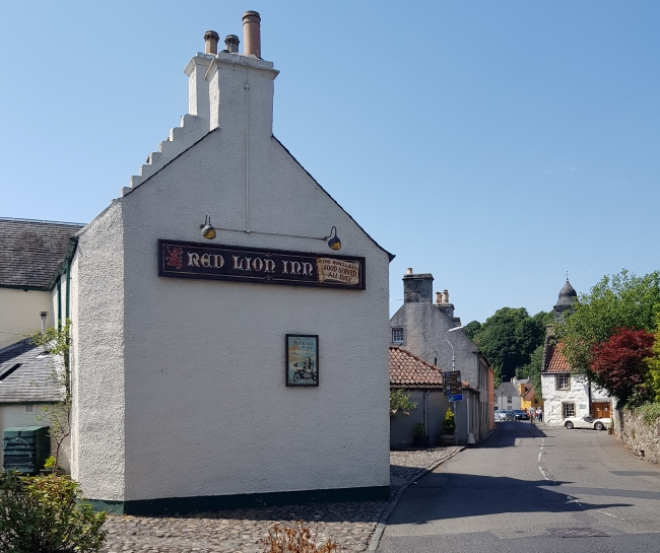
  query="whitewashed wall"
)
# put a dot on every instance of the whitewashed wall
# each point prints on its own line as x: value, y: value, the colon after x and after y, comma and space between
x: 97, y: 360
x: 19, y: 313
x: 578, y: 393
x: 180, y: 383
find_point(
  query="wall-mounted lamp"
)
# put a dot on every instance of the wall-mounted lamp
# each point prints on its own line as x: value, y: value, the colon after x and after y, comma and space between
x: 334, y: 243
x: 208, y: 231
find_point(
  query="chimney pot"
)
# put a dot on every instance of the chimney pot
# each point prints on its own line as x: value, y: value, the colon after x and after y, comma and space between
x: 445, y: 296
x: 231, y: 44
x: 211, y: 42
x: 252, y: 34
x: 438, y: 297
x: 410, y: 271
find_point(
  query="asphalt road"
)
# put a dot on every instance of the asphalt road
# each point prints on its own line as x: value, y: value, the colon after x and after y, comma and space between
x: 532, y: 490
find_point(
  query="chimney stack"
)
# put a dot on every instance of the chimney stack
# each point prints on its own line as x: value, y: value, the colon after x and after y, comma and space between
x: 417, y: 288
x: 252, y: 34
x: 231, y: 44
x: 445, y: 296
x: 211, y: 42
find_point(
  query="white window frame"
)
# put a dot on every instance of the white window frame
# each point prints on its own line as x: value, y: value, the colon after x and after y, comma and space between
x: 562, y: 382
x: 567, y: 408
x: 397, y: 335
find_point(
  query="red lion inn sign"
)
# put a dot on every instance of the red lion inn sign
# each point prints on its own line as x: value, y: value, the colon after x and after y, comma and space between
x: 192, y: 260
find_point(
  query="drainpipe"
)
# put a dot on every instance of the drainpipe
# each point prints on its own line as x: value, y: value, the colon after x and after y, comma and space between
x: 426, y: 422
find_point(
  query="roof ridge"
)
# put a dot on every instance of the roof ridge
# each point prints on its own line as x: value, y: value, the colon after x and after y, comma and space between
x: 42, y: 221
x: 417, y: 358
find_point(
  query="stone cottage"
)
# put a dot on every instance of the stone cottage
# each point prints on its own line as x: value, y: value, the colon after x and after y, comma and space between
x: 423, y: 384
x: 432, y: 332
x: 566, y: 394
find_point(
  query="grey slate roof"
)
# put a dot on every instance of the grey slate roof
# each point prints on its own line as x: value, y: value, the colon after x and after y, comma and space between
x: 507, y: 389
x: 32, y: 381
x: 30, y: 251
x: 567, y: 296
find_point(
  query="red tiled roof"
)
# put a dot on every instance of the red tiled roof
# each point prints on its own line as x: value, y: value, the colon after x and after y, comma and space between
x: 409, y: 371
x: 558, y: 363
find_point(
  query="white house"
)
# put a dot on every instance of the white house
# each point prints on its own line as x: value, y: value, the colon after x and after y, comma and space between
x: 566, y: 394
x: 238, y: 364
x: 33, y: 296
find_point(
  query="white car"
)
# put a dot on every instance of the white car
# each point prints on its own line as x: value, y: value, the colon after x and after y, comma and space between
x: 587, y: 422
x: 500, y: 415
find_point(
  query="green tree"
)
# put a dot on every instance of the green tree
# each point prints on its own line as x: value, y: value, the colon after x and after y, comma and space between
x: 509, y: 337
x: 58, y: 415
x: 532, y: 370
x: 472, y: 328
x: 618, y: 301
x: 654, y: 367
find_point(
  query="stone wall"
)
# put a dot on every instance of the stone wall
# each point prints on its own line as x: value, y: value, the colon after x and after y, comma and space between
x: 643, y: 440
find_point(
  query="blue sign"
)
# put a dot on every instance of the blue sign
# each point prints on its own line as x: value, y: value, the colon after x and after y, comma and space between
x: 457, y: 397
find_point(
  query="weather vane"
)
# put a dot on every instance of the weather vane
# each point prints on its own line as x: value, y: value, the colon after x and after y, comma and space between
x: 566, y: 275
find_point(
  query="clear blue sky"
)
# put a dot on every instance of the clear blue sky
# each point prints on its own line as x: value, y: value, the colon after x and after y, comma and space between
x: 493, y: 144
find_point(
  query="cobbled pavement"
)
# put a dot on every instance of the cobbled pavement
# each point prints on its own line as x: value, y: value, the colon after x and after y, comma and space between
x: 351, y: 525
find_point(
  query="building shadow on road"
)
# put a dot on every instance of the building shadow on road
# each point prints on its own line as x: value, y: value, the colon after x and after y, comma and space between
x: 507, y: 434
x: 441, y: 495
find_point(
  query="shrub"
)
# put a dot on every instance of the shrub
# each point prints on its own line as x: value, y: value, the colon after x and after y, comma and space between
x: 449, y: 424
x: 400, y: 403
x: 650, y: 413
x: 295, y: 539
x: 46, y: 514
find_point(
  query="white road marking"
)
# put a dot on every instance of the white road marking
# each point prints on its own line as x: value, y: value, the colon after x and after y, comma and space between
x: 543, y: 473
x: 608, y: 514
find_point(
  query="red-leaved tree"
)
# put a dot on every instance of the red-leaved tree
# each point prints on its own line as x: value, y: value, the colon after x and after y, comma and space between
x: 619, y: 365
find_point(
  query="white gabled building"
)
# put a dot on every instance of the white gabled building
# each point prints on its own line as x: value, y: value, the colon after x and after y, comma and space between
x: 566, y: 394
x: 180, y: 341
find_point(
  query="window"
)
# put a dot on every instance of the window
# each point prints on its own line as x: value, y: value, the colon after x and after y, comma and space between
x: 29, y: 408
x: 563, y: 382
x: 569, y: 410
x: 397, y: 335
x: 509, y: 399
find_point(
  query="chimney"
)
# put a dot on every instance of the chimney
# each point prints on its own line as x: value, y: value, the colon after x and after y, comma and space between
x: 211, y: 42
x: 410, y: 271
x: 231, y: 44
x: 445, y: 296
x: 241, y: 87
x: 438, y: 297
x: 417, y: 288
x: 198, y: 86
x: 252, y: 34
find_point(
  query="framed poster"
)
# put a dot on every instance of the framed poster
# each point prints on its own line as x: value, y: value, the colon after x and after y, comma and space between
x: 302, y: 360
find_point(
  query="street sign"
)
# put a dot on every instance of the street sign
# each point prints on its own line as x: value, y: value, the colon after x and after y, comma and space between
x: 457, y: 397
x: 452, y: 383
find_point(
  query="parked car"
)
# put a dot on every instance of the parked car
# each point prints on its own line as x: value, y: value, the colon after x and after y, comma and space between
x: 520, y: 415
x: 510, y: 416
x: 500, y: 415
x: 587, y: 422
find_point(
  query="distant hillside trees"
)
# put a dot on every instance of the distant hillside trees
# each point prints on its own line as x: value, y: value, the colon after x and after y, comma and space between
x: 512, y: 341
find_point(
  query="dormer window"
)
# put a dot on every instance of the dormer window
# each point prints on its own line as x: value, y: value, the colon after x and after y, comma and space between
x: 397, y: 335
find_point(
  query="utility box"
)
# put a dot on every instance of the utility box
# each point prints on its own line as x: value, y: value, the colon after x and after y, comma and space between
x: 25, y: 448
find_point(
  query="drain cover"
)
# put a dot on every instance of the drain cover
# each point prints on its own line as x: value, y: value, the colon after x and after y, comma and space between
x: 577, y: 533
